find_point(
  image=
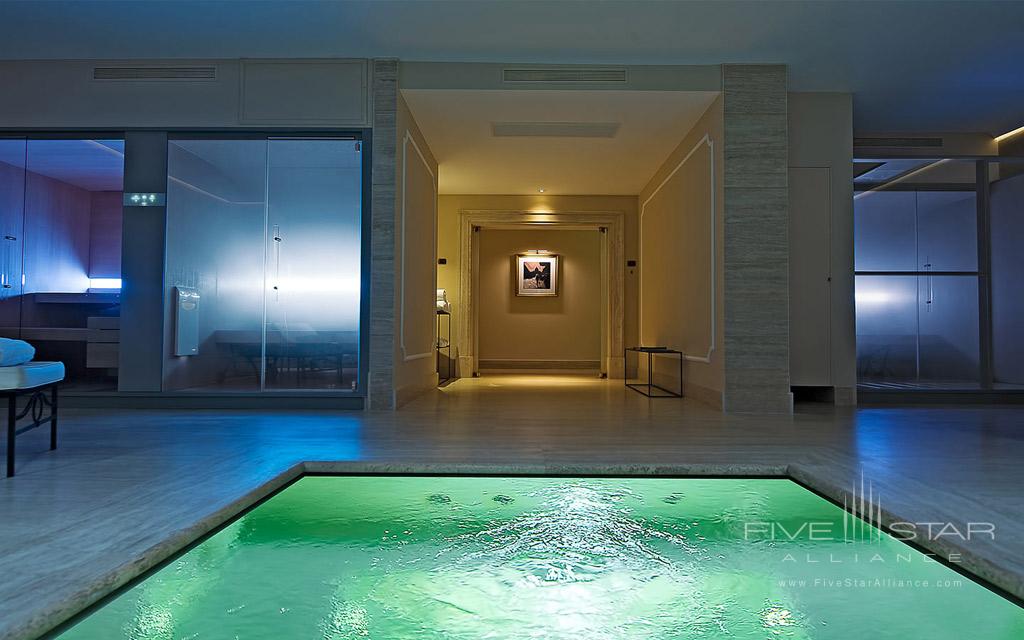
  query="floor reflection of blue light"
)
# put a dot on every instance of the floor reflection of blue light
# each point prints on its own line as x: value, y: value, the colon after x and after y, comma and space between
x: 347, y: 434
x: 874, y: 433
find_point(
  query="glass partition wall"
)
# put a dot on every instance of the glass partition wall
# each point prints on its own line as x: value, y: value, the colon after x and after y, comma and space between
x: 263, y: 265
x: 60, y: 252
x: 924, y: 268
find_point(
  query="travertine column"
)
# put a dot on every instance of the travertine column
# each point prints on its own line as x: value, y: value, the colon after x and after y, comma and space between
x: 382, y: 236
x: 756, y: 340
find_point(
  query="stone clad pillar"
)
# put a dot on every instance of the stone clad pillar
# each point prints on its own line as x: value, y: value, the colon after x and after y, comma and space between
x: 382, y: 239
x: 756, y: 253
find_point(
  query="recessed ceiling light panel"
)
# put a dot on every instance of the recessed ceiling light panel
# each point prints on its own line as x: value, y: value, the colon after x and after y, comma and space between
x: 555, y: 129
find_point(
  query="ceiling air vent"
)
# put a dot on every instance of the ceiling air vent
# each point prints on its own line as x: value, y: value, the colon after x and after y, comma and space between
x: 154, y: 73
x: 889, y: 143
x: 567, y: 75
x: 555, y: 129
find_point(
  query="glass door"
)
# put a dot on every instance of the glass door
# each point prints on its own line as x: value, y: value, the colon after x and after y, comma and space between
x: 313, y: 264
x: 12, y: 220
x: 264, y: 241
x: 216, y: 222
x: 917, y: 293
x: 948, y: 328
x: 60, y: 252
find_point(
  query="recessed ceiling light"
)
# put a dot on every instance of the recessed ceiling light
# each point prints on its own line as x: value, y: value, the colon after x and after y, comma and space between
x: 555, y: 129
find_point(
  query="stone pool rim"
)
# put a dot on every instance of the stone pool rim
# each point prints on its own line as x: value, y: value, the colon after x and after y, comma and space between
x: 50, y: 623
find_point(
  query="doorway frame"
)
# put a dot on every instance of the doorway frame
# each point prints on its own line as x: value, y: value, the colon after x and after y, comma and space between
x: 612, y: 228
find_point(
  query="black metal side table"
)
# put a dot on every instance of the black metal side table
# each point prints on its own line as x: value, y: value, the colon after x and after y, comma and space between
x: 648, y: 388
x: 447, y: 348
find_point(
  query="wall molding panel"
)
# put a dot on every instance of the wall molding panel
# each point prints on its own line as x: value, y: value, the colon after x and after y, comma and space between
x: 704, y: 143
x: 408, y: 141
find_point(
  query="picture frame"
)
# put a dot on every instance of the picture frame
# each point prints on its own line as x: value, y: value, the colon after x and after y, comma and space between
x: 536, y: 275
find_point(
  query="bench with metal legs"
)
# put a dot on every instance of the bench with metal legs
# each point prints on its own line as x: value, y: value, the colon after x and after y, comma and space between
x: 35, y: 411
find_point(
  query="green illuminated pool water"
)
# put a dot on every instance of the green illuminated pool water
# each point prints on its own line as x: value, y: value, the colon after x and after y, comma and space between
x: 469, y: 558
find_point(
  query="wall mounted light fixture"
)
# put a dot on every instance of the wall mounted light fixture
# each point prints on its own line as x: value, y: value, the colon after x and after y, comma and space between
x: 104, y: 285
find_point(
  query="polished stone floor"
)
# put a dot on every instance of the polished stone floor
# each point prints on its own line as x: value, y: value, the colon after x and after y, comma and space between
x: 129, y: 488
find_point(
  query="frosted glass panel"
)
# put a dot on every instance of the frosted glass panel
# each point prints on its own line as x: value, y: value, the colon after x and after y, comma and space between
x: 215, y: 237
x: 947, y: 231
x: 917, y: 328
x: 267, y: 232
x: 887, y: 327
x: 918, y: 221
x: 948, y: 328
x: 915, y: 231
x: 885, y: 231
x: 313, y: 275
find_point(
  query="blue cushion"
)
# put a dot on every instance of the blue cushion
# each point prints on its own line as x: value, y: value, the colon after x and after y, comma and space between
x: 15, y: 352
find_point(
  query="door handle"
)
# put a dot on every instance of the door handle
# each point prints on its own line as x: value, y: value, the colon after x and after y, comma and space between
x: 277, y: 261
x: 930, y: 295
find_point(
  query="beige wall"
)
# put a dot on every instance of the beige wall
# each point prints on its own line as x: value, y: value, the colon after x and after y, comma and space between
x: 1012, y: 146
x: 415, y: 261
x: 449, y: 207
x: 823, y: 348
x: 679, y: 307
x: 561, y: 330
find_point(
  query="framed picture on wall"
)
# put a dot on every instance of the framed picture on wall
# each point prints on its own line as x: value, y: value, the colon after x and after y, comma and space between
x: 535, y: 274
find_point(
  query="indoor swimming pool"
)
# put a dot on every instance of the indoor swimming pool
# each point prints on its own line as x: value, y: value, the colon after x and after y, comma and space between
x: 394, y: 557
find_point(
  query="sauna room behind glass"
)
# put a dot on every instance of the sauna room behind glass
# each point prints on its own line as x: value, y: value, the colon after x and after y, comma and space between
x: 263, y: 264
x: 60, y: 253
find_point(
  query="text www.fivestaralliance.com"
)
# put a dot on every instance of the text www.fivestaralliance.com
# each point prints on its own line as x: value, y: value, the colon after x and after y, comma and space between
x: 880, y: 583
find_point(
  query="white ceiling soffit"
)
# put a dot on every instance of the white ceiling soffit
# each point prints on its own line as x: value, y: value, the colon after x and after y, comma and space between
x: 927, y: 65
x: 518, y: 142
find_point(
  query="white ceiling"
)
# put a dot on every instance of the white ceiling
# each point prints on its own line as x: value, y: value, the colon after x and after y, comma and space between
x: 927, y: 65
x: 457, y: 125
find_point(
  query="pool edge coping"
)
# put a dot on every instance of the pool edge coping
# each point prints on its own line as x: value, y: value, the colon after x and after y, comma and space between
x: 54, y: 619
